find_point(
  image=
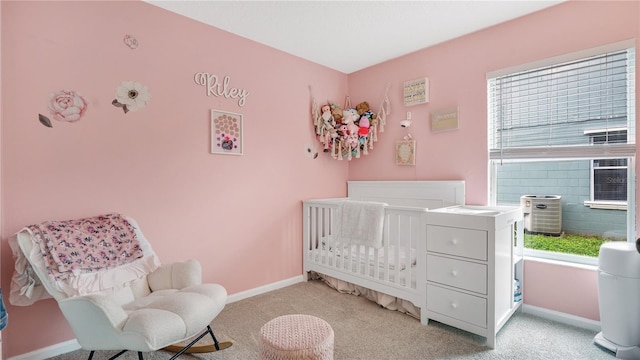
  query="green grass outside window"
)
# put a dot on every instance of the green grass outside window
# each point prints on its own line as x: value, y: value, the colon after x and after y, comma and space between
x: 588, y: 245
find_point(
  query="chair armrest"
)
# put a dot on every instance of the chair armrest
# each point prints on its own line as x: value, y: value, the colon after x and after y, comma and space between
x: 93, y: 315
x: 176, y: 275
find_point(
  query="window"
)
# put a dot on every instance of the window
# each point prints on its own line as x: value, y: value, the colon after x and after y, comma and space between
x: 608, y: 176
x: 566, y: 127
x: 609, y: 180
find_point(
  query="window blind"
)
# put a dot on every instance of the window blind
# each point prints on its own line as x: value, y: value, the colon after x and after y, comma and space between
x: 550, y: 111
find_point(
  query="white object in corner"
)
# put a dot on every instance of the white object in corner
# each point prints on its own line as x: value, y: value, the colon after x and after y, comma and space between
x: 618, y: 293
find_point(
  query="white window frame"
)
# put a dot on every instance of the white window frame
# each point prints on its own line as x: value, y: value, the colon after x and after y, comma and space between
x: 603, y: 204
x: 570, y: 152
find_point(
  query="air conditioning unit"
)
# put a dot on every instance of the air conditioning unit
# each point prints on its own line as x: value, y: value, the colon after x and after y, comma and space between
x: 542, y: 214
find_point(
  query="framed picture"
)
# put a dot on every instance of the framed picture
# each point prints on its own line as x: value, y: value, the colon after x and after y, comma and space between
x: 444, y: 120
x: 416, y: 92
x: 226, y: 133
x: 406, y: 152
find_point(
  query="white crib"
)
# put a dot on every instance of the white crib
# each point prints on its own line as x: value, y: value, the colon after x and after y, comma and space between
x: 397, y: 268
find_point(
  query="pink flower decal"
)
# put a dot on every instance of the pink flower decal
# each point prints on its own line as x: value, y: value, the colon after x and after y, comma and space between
x: 131, y: 42
x: 65, y: 106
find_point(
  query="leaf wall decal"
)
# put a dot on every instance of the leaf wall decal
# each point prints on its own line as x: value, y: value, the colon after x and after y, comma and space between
x: 44, y: 120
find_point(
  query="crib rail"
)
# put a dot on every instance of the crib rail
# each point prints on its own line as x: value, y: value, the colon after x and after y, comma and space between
x: 397, y: 268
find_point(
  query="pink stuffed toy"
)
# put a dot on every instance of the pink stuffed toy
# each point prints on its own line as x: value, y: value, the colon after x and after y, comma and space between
x: 343, y: 130
x: 364, y: 126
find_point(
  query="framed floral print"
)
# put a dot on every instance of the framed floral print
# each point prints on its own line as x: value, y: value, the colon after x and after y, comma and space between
x: 226, y: 133
x: 406, y: 152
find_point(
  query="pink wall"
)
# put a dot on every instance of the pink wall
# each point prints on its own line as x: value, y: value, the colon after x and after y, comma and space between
x: 239, y: 215
x: 572, y: 290
x: 457, y: 73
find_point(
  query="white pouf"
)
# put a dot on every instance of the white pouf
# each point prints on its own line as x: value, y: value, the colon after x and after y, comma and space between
x: 297, y: 336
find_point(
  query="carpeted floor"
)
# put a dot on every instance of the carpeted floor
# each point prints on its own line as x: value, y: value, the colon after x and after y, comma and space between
x: 363, y: 330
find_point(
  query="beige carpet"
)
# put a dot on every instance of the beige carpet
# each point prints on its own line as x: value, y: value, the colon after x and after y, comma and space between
x: 363, y: 330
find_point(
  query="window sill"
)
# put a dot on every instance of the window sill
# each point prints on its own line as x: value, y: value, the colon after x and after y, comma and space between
x: 562, y: 263
x: 607, y: 205
x: 560, y: 258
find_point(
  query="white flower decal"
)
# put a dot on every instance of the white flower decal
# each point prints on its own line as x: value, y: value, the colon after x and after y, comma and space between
x: 131, y: 95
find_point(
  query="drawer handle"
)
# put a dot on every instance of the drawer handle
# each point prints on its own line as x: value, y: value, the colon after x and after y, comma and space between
x: 454, y: 241
x: 454, y: 273
x: 454, y: 305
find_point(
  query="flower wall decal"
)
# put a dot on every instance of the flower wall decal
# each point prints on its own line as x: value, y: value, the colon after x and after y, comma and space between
x: 130, y: 41
x: 65, y: 106
x: 131, y: 96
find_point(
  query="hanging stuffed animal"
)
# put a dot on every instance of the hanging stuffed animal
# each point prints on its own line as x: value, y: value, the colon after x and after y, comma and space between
x: 327, y: 128
x: 364, y: 126
x: 336, y: 112
x: 349, y: 118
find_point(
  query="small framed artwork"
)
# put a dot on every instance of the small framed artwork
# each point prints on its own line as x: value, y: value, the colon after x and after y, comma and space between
x: 226, y: 133
x: 406, y: 152
x: 416, y: 92
x: 444, y: 120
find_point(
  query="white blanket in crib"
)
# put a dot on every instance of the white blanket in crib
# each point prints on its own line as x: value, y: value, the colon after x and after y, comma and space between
x: 360, y: 222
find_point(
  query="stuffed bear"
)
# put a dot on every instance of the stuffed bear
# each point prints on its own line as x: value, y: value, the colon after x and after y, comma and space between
x: 362, y: 108
x: 336, y: 111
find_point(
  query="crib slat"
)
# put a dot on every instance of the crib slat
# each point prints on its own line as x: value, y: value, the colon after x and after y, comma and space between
x: 406, y: 248
x: 406, y: 251
x: 324, y: 238
x: 396, y: 248
x: 387, y: 237
x: 359, y: 260
x: 313, y: 235
x: 374, y: 258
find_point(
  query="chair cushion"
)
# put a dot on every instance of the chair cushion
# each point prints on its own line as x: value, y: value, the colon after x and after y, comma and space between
x: 176, y: 275
x: 166, y: 315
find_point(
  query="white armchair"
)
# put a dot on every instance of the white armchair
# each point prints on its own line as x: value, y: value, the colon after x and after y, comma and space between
x: 142, y: 307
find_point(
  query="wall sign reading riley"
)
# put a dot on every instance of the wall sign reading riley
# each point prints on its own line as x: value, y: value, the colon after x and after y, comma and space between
x: 216, y: 87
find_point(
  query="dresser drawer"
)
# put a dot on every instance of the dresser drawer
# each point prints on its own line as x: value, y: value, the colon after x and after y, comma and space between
x: 468, y: 308
x: 461, y: 274
x: 457, y: 241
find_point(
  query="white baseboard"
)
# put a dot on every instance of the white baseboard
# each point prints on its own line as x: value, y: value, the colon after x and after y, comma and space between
x: 49, y: 351
x: 73, y: 345
x: 562, y: 317
x: 264, y: 289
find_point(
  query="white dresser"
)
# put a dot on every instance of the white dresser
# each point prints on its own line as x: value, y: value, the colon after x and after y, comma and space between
x: 473, y: 255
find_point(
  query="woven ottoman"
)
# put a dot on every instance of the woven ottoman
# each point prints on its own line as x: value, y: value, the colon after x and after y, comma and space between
x: 297, y: 336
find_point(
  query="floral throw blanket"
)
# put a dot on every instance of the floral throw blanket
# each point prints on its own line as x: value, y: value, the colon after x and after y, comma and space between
x: 86, y: 245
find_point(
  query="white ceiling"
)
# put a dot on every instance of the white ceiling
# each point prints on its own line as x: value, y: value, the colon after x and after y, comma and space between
x: 351, y: 35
